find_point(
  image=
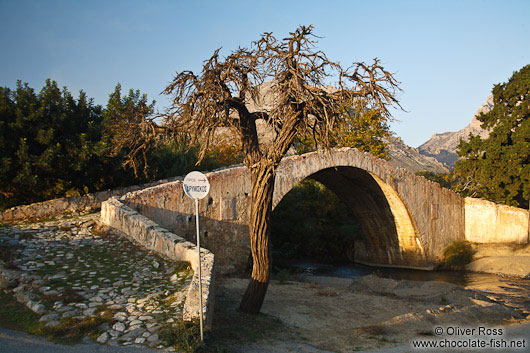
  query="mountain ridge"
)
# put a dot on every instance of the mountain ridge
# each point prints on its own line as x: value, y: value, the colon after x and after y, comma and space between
x: 443, y: 146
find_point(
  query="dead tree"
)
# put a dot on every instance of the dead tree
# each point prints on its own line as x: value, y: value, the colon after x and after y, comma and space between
x: 307, y: 93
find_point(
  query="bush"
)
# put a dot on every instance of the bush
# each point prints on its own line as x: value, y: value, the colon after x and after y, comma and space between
x: 458, y: 254
x: 183, y: 336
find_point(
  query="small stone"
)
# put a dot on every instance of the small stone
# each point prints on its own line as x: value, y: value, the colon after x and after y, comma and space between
x: 156, y: 264
x: 119, y: 326
x: 68, y: 314
x: 114, y: 333
x: 62, y: 309
x: 36, y: 307
x: 49, y: 317
x: 51, y: 292
x: 139, y: 340
x: 90, y: 311
x: 133, y: 334
x: 52, y: 323
x: 103, y: 338
x: 153, y: 338
x: 135, y: 322
x: 145, y: 317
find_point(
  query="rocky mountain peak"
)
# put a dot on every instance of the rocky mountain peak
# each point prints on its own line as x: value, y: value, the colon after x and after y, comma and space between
x: 443, y: 146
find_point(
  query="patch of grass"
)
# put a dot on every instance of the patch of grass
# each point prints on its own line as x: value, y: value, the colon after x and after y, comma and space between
x: 180, y: 266
x: 183, y: 336
x: 72, y: 330
x: 458, y: 254
x: 16, y: 316
x: 66, y: 296
x: 8, y: 256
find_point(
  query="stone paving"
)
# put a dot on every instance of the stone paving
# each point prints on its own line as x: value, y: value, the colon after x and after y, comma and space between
x: 72, y: 268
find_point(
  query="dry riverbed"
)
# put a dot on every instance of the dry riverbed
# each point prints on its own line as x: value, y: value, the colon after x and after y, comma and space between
x: 347, y: 315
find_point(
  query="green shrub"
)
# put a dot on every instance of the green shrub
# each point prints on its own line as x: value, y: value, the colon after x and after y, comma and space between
x: 458, y: 254
x: 183, y: 336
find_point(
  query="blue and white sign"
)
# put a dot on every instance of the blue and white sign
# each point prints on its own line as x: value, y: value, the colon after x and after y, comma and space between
x: 196, y: 185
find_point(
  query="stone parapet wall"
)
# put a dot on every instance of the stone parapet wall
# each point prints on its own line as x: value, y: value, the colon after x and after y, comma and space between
x: 488, y: 222
x: 75, y: 204
x: 224, y: 214
x: 151, y: 236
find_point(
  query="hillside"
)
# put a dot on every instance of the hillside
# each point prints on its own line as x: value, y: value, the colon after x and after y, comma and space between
x: 442, y: 146
x: 411, y: 159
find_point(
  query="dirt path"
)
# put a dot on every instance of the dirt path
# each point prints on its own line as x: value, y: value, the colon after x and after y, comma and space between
x: 328, y: 314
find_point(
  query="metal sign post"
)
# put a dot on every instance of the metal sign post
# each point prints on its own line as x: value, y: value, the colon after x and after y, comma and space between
x: 196, y: 186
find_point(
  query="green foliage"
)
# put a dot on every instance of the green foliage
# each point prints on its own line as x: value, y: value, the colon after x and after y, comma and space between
x: 16, y: 316
x: 444, y: 179
x: 184, y: 336
x: 458, y: 254
x: 73, y: 330
x: 47, y: 142
x: 311, y: 222
x: 498, y: 167
x: 53, y: 145
x: 360, y: 126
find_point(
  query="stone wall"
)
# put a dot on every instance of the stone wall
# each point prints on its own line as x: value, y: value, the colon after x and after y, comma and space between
x: 148, y: 234
x: 224, y: 214
x: 75, y: 204
x: 488, y: 222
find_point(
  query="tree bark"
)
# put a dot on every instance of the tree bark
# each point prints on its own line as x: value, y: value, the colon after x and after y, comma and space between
x: 262, y: 177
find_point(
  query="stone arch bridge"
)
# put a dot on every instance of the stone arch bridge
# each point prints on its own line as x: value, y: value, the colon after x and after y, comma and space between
x: 406, y: 220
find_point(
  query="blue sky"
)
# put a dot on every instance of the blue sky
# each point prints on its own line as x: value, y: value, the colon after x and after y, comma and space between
x: 447, y: 54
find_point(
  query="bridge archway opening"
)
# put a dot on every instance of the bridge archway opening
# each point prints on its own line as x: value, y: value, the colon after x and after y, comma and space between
x: 382, y: 231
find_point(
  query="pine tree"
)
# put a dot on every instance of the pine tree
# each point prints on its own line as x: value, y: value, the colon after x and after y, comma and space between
x: 498, y: 167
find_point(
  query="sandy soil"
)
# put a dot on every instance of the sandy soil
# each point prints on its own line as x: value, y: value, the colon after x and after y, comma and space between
x: 501, y: 259
x: 345, y: 315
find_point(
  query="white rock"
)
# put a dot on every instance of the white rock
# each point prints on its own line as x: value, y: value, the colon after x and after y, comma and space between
x: 90, y: 311
x: 119, y: 326
x: 139, y: 340
x: 103, y: 338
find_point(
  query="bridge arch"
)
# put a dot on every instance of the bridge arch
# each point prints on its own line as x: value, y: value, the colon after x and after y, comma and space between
x: 407, y: 220
x: 389, y: 236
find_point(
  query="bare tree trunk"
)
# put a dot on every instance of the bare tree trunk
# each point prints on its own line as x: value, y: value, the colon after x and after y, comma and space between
x: 262, y: 178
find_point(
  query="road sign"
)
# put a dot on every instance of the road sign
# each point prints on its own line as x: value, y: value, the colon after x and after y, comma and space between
x: 196, y: 185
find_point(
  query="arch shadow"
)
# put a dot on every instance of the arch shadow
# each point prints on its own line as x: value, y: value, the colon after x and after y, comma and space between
x: 389, y: 236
